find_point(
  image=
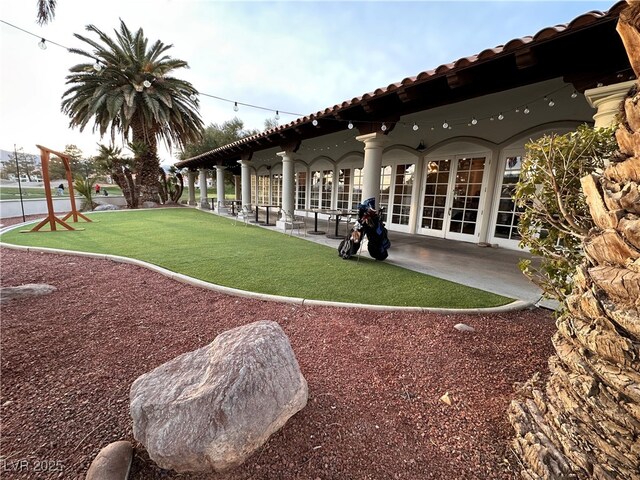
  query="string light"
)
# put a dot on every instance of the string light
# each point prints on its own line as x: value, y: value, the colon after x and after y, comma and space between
x: 99, y: 66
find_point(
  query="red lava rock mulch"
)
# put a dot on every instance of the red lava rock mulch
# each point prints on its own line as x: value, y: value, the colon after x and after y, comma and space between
x: 375, y: 378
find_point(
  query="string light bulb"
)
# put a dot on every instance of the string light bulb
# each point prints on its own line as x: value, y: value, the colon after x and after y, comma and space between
x: 235, y: 106
x: 277, y: 117
x: 551, y: 102
x: 42, y: 44
x: 97, y: 66
x: 415, y: 127
x: 193, y: 97
x: 146, y: 83
x: 350, y: 126
x: 314, y: 122
x: 500, y: 116
x: 445, y: 125
x: 383, y: 127
x: 574, y: 94
x: 526, y: 110
x: 474, y: 121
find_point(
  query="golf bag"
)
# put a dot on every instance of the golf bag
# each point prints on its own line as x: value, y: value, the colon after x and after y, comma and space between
x: 370, y: 224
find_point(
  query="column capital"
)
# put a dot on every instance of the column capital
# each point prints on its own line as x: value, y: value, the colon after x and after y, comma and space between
x: 606, y: 100
x: 244, y: 163
x: 372, y: 140
x: 220, y: 166
x: 287, y: 155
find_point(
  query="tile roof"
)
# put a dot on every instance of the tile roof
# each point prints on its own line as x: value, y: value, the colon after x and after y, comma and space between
x: 489, y: 54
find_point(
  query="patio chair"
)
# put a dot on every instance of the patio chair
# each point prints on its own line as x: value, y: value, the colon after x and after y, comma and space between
x: 294, y: 222
x: 244, y: 214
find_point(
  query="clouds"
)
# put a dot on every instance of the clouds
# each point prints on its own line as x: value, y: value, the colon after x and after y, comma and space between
x: 294, y: 56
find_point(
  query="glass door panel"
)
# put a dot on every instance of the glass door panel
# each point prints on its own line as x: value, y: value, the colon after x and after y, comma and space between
x: 434, y: 201
x: 402, y: 191
x: 465, y: 196
x: 508, y: 213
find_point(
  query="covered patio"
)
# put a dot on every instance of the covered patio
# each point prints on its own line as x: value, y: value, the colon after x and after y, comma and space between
x: 441, y: 151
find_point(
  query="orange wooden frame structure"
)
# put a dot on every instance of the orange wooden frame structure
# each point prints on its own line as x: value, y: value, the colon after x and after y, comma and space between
x: 45, y: 156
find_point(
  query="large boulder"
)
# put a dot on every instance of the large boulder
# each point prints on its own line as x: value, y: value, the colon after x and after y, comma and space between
x: 210, y: 409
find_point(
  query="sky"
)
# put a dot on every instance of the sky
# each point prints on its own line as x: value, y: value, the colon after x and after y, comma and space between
x: 291, y: 56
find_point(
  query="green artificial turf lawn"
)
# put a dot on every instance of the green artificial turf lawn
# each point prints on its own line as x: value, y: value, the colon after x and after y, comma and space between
x: 211, y: 248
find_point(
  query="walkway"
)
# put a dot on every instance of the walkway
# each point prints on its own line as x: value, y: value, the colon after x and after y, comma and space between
x: 491, y: 269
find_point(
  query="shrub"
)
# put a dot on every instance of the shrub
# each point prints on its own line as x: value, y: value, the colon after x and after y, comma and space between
x: 556, y: 217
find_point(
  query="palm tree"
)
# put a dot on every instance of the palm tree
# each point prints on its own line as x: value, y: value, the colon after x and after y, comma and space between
x: 127, y: 88
x: 46, y: 11
x: 584, y: 422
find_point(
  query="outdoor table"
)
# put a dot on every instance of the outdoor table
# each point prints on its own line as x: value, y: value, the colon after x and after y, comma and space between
x: 338, y: 214
x: 257, y: 220
x: 267, y: 207
x: 315, y: 230
x: 233, y: 206
x: 213, y: 203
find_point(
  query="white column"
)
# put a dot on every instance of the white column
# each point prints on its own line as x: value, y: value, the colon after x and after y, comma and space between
x: 606, y: 100
x: 204, y: 202
x: 373, y: 145
x: 246, y: 182
x: 191, y: 176
x: 220, y: 207
x: 288, y: 181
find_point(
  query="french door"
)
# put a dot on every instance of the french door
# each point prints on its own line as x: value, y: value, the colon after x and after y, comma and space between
x: 452, y: 197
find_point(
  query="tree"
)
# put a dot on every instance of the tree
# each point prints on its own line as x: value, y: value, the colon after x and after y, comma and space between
x: 584, y: 423
x: 215, y: 136
x: 555, y: 218
x: 78, y: 164
x: 46, y: 11
x: 271, y: 123
x: 111, y: 161
x: 128, y: 89
x: 28, y: 165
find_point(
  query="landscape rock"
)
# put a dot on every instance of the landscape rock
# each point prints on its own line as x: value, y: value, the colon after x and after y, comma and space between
x: 106, y: 206
x: 149, y: 205
x: 27, y: 290
x: 113, y: 462
x: 212, y: 408
x: 463, y: 327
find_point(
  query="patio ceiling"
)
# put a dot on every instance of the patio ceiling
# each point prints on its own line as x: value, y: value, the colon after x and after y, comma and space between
x: 584, y: 53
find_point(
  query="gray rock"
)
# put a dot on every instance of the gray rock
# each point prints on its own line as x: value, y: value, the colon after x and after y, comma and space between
x: 212, y: 408
x: 106, y: 206
x: 149, y: 205
x: 27, y: 290
x: 463, y: 327
x: 113, y: 462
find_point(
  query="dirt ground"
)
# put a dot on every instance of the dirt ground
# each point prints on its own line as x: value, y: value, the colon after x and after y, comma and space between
x: 375, y: 378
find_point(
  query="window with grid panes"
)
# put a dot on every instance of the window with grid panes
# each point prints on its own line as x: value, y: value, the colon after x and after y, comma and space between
x: 254, y: 190
x: 435, y: 194
x: 508, y: 212
x: 385, y: 186
x: 276, y: 189
x: 301, y: 190
x: 327, y: 187
x: 356, y: 192
x: 344, y: 188
x: 403, y: 189
x: 263, y: 189
x: 316, y: 183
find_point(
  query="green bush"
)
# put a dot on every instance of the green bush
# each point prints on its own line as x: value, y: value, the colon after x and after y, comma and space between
x: 556, y: 218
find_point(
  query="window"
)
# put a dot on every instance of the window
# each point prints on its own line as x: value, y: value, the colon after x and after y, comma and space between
x: 508, y: 216
x: 301, y: 190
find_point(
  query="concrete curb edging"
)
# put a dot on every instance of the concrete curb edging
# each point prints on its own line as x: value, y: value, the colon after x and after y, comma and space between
x: 513, y: 306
